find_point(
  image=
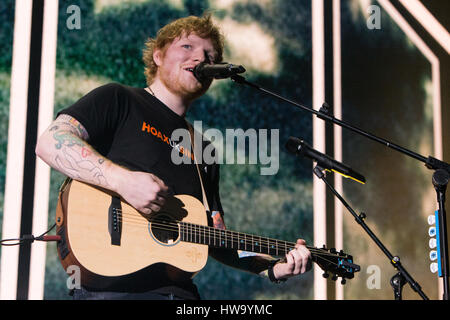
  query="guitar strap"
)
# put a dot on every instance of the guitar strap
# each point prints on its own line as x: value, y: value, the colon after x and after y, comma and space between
x: 205, y: 199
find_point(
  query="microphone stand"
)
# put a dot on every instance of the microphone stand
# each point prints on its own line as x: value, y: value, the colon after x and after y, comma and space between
x: 399, y: 279
x: 440, y: 177
x: 440, y: 182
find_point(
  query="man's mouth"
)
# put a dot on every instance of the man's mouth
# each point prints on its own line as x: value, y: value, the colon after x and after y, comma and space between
x: 191, y: 70
x: 202, y: 81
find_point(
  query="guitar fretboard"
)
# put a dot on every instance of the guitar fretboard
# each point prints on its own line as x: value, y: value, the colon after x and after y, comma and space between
x: 233, y: 240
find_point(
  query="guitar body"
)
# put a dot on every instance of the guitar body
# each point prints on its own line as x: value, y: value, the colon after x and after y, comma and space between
x: 106, y: 258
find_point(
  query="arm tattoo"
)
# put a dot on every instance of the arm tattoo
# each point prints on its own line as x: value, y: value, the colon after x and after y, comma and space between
x: 74, y: 156
x: 80, y: 168
x: 75, y: 126
x: 67, y: 139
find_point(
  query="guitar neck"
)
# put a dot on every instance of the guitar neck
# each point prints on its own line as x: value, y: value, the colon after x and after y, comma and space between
x: 329, y: 260
x: 219, y: 238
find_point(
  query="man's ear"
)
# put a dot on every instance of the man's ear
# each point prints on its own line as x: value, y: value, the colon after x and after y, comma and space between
x: 158, y: 55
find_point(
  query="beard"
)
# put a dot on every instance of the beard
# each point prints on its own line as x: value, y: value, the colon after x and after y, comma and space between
x: 182, y: 84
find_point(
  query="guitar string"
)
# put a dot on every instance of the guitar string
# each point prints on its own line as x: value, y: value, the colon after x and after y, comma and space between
x: 266, y: 242
x: 215, y: 233
x: 218, y: 232
x: 318, y: 254
x: 263, y: 243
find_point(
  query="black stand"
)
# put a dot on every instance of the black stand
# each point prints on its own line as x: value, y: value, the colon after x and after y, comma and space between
x: 397, y: 283
x: 402, y: 276
x: 440, y: 182
x: 430, y: 163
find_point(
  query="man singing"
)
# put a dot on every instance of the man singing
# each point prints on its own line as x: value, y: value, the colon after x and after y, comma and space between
x: 103, y: 139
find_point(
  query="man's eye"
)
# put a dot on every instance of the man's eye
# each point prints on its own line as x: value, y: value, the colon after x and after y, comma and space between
x: 187, y: 46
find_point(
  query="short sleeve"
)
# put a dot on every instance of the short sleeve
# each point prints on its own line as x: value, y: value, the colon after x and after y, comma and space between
x: 100, y: 112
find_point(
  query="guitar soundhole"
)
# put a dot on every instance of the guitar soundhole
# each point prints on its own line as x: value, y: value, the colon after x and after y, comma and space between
x: 164, y: 230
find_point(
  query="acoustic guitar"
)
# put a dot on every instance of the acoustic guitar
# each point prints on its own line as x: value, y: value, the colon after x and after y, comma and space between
x: 111, y: 241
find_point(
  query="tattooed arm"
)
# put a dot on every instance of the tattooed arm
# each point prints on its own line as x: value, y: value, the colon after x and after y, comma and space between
x: 64, y: 147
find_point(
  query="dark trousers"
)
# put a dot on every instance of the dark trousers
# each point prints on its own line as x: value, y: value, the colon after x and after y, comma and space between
x: 83, y: 294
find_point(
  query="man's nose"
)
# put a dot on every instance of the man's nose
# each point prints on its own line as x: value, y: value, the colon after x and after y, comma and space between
x: 199, y: 56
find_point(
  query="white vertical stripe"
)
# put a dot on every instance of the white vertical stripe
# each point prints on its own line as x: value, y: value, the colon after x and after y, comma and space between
x: 42, y: 178
x: 319, y: 188
x: 337, y: 108
x: 16, y: 147
x: 437, y: 112
x: 429, y: 22
x: 435, y: 78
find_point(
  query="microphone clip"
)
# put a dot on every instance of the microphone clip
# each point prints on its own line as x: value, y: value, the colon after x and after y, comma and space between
x: 325, y: 112
x: 319, y: 171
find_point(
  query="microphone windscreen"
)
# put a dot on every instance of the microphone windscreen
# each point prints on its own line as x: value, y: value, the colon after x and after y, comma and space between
x: 292, y: 144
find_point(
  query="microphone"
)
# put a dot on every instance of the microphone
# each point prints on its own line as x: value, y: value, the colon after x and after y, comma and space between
x: 223, y: 70
x: 301, y: 148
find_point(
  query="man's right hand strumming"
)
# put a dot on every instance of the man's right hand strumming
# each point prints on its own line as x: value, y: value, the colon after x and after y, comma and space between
x: 144, y: 191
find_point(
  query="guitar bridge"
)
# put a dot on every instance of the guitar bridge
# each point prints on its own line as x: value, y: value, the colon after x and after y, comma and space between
x: 115, y: 221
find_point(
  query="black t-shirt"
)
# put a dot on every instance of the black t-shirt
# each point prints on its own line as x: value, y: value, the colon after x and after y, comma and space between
x: 132, y: 128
